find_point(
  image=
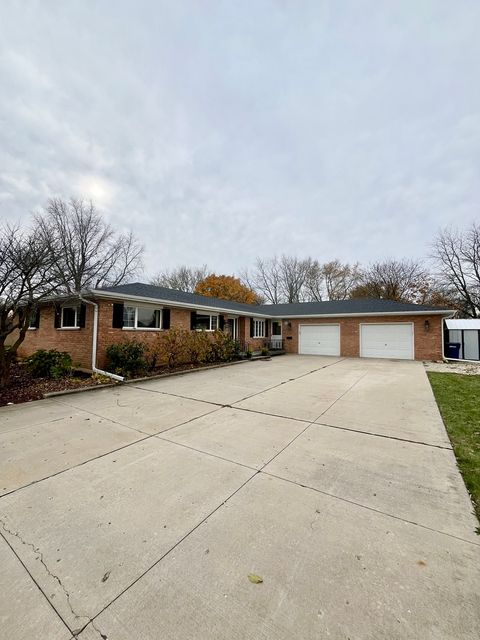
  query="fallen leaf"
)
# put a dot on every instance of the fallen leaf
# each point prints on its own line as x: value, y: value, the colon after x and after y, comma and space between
x: 421, y: 563
x: 254, y: 578
x: 106, y: 576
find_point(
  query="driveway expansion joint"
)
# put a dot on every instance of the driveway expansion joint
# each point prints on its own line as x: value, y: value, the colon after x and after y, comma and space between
x: 365, y: 506
x: 148, y: 436
x: 384, y: 435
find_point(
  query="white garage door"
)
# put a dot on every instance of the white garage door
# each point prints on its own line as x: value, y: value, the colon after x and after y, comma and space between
x: 387, y: 341
x: 319, y: 339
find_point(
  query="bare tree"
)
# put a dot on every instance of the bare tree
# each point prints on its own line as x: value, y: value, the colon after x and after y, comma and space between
x: 340, y: 279
x: 457, y: 256
x: 279, y: 279
x: 401, y: 280
x: 332, y: 280
x: 86, y: 251
x: 182, y: 278
x: 69, y: 249
x: 26, y: 270
x: 265, y: 279
x: 293, y: 278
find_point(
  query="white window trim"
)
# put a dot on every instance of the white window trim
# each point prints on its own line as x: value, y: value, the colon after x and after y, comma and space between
x: 74, y: 328
x: 137, y: 328
x: 258, y: 322
x: 210, y: 315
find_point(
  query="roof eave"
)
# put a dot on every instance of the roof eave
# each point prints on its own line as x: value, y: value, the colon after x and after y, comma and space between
x: 174, y: 303
x: 441, y: 312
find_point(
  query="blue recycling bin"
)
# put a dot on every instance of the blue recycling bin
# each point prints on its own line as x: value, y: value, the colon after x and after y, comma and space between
x: 453, y: 350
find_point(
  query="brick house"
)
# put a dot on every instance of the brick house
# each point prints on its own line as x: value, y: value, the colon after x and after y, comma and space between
x: 351, y: 328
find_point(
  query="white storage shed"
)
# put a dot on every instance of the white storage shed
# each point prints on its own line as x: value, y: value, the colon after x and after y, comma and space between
x: 466, y: 332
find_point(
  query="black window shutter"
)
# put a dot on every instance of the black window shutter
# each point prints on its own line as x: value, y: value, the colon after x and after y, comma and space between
x: 267, y: 327
x: 82, y: 312
x: 193, y: 320
x: 165, y: 318
x: 117, y: 318
x: 36, y: 321
x: 221, y: 322
x: 57, y: 322
x: 251, y: 328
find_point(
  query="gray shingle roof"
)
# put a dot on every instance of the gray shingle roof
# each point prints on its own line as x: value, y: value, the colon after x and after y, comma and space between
x: 330, y: 307
x: 333, y: 307
x: 173, y: 295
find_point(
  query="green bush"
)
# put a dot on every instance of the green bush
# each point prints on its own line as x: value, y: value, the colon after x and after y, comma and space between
x: 127, y: 358
x: 50, y: 364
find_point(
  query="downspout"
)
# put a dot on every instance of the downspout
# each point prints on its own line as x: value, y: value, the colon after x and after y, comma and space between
x: 94, y: 342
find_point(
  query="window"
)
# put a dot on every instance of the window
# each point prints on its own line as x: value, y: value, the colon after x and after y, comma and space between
x: 129, y: 317
x: 141, y: 318
x: 206, y: 322
x: 69, y: 317
x: 34, y: 320
x: 259, y: 328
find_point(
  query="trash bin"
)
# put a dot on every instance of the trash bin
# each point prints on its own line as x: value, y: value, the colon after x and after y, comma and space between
x: 453, y: 350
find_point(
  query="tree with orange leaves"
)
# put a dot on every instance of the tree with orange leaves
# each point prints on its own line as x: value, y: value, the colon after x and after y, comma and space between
x: 226, y: 288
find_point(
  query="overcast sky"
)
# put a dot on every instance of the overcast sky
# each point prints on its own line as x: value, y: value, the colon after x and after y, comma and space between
x: 219, y: 131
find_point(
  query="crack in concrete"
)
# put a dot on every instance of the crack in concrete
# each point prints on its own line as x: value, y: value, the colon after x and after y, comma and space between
x: 102, y: 635
x: 40, y: 557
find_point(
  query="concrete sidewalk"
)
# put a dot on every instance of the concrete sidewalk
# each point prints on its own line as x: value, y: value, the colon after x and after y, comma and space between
x: 139, y: 511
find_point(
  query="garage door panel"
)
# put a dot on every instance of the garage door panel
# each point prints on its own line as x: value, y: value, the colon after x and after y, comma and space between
x: 320, y: 340
x: 387, y: 341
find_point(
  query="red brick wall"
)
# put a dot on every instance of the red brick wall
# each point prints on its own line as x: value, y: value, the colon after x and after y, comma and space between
x: 78, y: 342
x: 179, y: 319
x: 428, y: 344
x: 244, y: 335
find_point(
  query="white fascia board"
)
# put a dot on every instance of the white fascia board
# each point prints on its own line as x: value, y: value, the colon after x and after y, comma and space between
x: 172, y: 303
x: 447, y: 314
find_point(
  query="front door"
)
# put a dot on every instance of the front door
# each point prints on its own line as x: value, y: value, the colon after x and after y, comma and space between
x: 233, y: 327
x: 276, y: 338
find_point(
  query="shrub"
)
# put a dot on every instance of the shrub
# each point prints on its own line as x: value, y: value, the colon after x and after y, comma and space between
x: 198, y: 347
x: 223, y: 347
x: 50, y: 364
x: 171, y: 347
x: 265, y: 351
x: 127, y: 358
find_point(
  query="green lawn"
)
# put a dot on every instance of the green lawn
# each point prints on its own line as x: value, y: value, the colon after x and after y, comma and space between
x: 458, y: 398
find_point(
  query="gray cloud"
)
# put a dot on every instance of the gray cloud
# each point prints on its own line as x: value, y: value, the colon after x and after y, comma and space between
x: 221, y: 131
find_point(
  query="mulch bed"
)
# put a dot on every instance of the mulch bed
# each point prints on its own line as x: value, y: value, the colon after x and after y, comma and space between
x: 25, y: 388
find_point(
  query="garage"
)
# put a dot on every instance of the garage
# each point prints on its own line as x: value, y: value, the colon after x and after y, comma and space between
x: 392, y: 340
x: 319, y: 339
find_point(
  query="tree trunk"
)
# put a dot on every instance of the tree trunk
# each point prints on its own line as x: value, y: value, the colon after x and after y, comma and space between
x: 5, y: 362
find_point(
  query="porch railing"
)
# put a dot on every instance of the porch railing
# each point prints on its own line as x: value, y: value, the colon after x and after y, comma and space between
x: 275, y: 344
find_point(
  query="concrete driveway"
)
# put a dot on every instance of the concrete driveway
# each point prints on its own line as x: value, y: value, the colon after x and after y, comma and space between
x: 140, y: 511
